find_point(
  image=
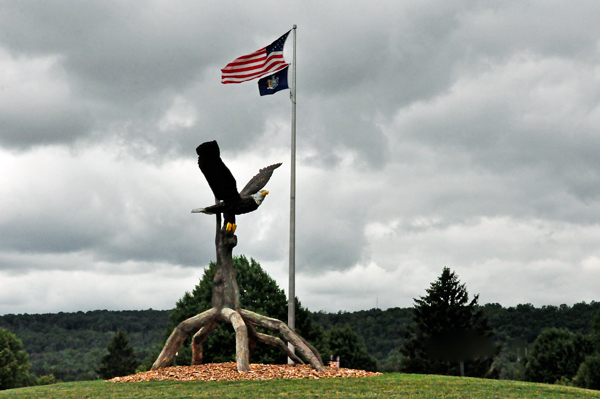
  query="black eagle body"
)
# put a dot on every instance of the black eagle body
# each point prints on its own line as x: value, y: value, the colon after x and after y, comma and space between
x: 244, y: 205
x: 219, y: 177
x: 224, y: 187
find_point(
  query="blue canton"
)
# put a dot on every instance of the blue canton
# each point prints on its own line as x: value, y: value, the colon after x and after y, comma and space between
x: 278, y: 44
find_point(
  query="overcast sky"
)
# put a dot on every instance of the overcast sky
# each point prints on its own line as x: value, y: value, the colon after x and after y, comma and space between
x: 430, y: 133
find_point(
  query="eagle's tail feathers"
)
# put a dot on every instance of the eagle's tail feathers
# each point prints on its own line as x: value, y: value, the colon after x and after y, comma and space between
x: 202, y: 210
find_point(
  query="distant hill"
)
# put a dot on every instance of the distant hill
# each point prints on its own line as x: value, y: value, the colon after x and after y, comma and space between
x: 382, y: 329
x: 70, y: 345
x: 527, y: 321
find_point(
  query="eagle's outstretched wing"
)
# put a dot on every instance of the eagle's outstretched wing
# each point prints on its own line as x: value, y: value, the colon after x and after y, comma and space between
x: 218, y: 176
x: 260, y: 180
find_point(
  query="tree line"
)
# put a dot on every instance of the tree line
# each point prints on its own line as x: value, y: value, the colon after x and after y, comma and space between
x: 511, y: 341
x: 70, y: 345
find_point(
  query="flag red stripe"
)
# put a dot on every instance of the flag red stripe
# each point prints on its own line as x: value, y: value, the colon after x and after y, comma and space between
x: 239, y: 78
x: 265, y: 65
x: 252, y: 66
x: 248, y: 76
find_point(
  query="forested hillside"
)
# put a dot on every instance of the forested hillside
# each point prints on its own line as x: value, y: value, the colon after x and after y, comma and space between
x: 527, y: 321
x: 70, y: 345
x: 380, y: 329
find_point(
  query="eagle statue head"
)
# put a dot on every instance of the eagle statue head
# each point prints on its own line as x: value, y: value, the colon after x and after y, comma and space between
x: 259, y: 197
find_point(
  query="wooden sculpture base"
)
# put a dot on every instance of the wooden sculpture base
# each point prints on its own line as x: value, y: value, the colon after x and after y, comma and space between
x: 226, y: 308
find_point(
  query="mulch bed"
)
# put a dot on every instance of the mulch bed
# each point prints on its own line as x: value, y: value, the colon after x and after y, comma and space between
x: 229, y: 372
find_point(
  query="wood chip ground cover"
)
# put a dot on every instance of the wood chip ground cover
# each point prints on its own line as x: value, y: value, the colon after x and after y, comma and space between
x: 229, y: 372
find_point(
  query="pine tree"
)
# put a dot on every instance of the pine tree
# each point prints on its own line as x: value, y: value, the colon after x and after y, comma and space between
x: 120, y: 360
x: 451, y: 335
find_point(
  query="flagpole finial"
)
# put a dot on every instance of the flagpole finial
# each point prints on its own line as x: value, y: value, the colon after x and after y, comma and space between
x: 294, y: 26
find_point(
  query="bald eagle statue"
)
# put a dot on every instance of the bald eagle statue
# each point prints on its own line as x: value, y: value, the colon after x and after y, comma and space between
x: 223, y: 185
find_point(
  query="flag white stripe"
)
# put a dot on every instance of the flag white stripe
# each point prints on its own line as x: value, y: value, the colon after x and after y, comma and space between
x: 246, y: 77
x: 250, y: 69
x: 262, y: 62
x: 274, y: 63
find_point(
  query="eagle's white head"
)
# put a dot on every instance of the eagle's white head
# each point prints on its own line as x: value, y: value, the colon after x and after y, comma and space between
x: 259, y: 197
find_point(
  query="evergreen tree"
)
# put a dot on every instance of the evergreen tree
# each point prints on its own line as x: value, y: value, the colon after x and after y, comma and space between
x: 14, y: 362
x: 120, y: 359
x: 449, y: 331
x: 259, y: 293
x: 557, y: 353
x: 347, y: 344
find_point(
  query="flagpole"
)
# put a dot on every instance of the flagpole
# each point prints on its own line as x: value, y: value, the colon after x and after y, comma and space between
x: 292, y: 270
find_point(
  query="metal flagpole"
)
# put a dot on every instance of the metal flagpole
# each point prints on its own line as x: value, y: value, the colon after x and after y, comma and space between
x: 292, y: 271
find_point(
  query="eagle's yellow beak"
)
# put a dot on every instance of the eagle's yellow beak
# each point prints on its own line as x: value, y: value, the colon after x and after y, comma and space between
x: 265, y: 193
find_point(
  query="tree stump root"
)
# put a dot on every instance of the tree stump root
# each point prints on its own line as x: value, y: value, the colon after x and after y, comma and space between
x: 243, y: 322
x: 226, y: 308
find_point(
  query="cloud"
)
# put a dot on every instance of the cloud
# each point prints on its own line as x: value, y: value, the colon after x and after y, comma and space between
x: 36, y: 102
x: 181, y: 115
x: 80, y: 290
x: 429, y: 134
x: 99, y: 200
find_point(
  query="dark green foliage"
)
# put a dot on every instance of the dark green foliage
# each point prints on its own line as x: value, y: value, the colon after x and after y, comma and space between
x: 348, y: 345
x: 557, y: 353
x: 259, y: 293
x: 596, y: 331
x: 70, y: 345
x: 588, y: 374
x: 381, y: 330
x: 14, y: 362
x: 448, y: 329
x: 510, y: 362
x: 120, y: 359
x: 392, y: 363
x: 527, y: 321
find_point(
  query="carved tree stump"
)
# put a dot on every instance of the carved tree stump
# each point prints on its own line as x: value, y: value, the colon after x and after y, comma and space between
x: 226, y: 308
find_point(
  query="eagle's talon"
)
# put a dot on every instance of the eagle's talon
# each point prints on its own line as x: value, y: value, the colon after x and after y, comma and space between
x: 230, y: 227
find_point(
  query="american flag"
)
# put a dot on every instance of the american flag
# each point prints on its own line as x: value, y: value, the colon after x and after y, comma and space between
x: 247, y: 67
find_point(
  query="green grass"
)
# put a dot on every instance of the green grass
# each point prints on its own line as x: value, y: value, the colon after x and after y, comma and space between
x: 407, y: 386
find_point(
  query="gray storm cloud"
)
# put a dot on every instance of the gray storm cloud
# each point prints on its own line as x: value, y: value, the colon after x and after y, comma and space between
x: 429, y: 134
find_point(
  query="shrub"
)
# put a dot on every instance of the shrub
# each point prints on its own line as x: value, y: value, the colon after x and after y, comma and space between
x: 14, y: 362
x: 556, y: 353
x: 348, y: 345
x: 588, y: 375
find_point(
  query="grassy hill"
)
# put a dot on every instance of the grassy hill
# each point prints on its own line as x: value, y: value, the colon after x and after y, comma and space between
x: 387, y: 386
